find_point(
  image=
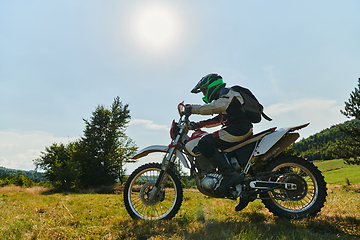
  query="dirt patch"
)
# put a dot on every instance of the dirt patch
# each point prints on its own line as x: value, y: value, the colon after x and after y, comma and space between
x: 119, y: 189
x: 351, y: 187
x: 332, y: 169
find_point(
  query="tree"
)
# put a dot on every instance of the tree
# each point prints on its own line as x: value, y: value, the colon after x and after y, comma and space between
x: 349, y: 146
x: 127, y: 149
x: 61, y: 169
x: 19, y: 180
x: 105, y: 148
x: 322, y: 145
x: 98, y: 158
x: 352, y: 108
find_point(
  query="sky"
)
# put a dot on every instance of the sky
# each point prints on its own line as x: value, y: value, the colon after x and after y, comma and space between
x: 59, y: 60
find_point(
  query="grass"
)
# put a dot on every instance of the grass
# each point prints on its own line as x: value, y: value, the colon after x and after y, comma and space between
x: 35, y: 214
x: 336, y: 172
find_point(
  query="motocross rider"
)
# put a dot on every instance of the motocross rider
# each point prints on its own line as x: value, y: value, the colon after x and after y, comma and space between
x: 226, y: 103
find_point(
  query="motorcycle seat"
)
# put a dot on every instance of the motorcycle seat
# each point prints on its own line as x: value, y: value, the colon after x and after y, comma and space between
x: 251, y: 139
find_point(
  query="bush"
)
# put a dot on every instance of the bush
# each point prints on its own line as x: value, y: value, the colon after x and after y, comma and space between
x: 18, y: 180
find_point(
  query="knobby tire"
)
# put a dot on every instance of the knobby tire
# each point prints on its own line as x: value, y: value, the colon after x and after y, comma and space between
x: 139, y: 185
x: 309, y: 198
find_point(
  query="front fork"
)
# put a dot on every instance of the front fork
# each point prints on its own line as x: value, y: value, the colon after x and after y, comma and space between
x: 167, y: 163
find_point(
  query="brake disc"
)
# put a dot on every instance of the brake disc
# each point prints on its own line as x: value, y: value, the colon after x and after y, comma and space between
x: 145, y: 192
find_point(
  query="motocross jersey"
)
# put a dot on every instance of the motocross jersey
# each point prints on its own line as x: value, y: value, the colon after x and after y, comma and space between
x: 228, y: 107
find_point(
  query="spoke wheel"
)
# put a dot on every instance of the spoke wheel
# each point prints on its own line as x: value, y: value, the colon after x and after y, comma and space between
x: 309, y: 196
x: 139, y: 187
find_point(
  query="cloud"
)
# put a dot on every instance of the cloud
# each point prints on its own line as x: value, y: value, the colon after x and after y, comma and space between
x: 148, y: 124
x: 146, y: 132
x: 305, y: 106
x: 321, y: 113
x: 18, y: 150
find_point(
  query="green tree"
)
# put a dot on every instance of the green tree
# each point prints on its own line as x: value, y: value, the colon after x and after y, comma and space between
x: 349, y: 146
x: 323, y: 145
x: 19, y: 180
x: 98, y: 158
x: 105, y: 148
x: 61, y: 169
x: 127, y: 149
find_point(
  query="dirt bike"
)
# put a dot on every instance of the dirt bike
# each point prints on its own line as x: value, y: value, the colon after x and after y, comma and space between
x: 289, y: 186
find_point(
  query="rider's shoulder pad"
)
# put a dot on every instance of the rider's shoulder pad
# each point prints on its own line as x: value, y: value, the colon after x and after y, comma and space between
x: 223, y: 92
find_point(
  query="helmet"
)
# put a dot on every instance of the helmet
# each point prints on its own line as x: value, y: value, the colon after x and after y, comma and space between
x: 209, y: 85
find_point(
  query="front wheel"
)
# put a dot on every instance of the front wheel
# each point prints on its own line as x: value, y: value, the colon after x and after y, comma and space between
x: 138, y: 188
x: 309, y: 196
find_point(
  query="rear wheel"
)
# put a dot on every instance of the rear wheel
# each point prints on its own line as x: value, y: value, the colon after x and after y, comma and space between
x: 138, y: 189
x: 309, y: 196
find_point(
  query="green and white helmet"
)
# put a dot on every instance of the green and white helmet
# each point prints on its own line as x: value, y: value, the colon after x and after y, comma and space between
x: 209, y: 85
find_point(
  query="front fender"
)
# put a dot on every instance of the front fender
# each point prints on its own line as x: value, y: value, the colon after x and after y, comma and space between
x: 160, y: 148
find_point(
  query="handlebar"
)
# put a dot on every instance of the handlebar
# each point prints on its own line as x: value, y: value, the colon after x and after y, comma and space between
x: 181, y: 110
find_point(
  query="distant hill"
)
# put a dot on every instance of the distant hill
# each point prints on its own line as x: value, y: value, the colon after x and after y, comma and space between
x: 320, y: 146
x: 34, y: 176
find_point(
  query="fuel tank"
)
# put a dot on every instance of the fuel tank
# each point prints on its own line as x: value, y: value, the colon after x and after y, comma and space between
x: 193, y: 141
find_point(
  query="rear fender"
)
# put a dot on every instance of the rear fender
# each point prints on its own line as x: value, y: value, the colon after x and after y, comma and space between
x: 160, y: 148
x: 271, y: 139
x: 268, y: 141
x: 280, y: 146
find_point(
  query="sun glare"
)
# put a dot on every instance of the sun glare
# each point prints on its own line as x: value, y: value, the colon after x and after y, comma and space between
x: 156, y: 25
x: 152, y: 32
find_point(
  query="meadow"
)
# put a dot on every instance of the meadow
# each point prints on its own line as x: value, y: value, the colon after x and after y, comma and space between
x: 336, y: 172
x: 36, y: 213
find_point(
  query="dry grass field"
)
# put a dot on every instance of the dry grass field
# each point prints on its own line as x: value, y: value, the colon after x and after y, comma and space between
x: 34, y: 213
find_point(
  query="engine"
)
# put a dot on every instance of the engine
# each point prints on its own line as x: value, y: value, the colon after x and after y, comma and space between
x: 211, y: 181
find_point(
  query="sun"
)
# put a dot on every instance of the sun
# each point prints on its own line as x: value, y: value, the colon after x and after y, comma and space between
x: 156, y: 25
x: 152, y: 32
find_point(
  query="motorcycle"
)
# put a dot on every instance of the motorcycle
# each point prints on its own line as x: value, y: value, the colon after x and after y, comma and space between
x: 288, y: 186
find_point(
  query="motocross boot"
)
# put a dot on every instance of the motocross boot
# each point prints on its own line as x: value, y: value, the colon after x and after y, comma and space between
x: 243, y: 202
x: 229, y: 176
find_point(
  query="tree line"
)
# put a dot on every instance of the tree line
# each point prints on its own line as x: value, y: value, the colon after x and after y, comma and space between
x: 96, y: 159
x: 36, y: 177
x: 323, y: 145
x: 339, y: 141
x: 19, y: 179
